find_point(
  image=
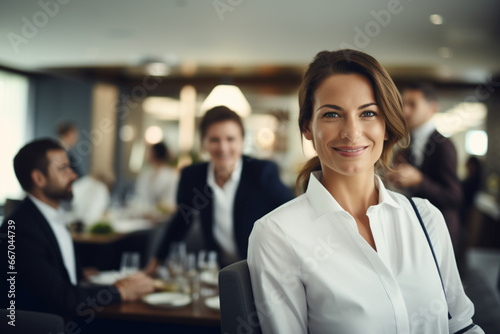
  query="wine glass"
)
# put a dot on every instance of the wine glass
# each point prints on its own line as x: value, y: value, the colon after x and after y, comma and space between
x: 130, y: 263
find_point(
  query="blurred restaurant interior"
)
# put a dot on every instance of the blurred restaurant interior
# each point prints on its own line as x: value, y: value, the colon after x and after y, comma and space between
x: 129, y: 74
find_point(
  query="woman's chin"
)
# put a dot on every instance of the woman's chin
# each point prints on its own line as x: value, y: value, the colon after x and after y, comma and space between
x: 352, y: 170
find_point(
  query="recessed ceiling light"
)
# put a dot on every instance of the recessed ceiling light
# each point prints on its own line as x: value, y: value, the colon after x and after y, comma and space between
x: 445, y: 52
x: 127, y: 133
x: 153, y: 134
x: 436, y: 19
x: 157, y: 69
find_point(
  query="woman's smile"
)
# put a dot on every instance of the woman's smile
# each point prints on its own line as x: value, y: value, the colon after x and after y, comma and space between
x: 350, y: 151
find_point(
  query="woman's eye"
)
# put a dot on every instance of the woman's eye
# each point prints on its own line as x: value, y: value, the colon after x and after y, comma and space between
x: 368, y: 114
x: 330, y: 114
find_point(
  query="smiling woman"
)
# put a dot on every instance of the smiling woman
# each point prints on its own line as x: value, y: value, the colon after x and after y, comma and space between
x: 347, y: 127
x: 378, y: 89
x: 350, y: 256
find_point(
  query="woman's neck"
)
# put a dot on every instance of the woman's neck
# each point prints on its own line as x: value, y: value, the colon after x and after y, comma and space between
x: 355, y: 193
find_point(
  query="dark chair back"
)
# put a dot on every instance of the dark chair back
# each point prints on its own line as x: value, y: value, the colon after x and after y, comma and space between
x: 10, y: 206
x: 237, y: 306
x: 31, y: 322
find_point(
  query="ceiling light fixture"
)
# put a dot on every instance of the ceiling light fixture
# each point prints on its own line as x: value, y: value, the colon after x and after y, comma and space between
x: 166, y: 108
x: 157, y: 69
x: 230, y: 96
x: 436, y: 19
x: 476, y: 142
x: 127, y: 133
x: 153, y: 134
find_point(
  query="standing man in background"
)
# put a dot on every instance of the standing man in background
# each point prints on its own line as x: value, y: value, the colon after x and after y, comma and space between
x: 428, y: 167
x: 68, y: 137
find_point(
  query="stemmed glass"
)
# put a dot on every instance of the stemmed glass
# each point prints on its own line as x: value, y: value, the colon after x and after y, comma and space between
x: 130, y: 263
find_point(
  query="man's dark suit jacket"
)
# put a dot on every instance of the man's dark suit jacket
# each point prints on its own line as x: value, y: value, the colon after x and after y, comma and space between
x: 259, y: 192
x: 440, y: 184
x: 42, y: 281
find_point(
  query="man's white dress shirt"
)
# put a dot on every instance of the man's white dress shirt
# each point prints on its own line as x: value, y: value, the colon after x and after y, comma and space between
x: 57, y: 222
x: 312, y: 272
x: 419, y: 138
x: 223, y: 207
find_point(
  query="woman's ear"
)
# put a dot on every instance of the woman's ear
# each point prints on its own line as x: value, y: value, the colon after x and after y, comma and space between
x: 306, y: 131
x: 386, y: 137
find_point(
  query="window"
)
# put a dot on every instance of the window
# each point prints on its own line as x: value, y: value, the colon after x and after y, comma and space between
x: 13, y: 129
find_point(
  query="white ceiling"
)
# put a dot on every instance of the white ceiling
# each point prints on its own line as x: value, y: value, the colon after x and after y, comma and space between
x: 251, y: 33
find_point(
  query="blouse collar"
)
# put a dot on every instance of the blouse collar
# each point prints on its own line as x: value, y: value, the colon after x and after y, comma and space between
x: 323, y: 202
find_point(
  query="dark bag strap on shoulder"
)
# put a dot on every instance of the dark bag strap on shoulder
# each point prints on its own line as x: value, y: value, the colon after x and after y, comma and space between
x: 430, y: 245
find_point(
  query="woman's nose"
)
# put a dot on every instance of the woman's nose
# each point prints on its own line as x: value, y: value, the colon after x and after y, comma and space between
x: 351, y: 130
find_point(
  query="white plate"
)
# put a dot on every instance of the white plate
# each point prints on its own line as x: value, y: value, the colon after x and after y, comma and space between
x: 106, y: 277
x: 213, y: 303
x: 167, y: 299
x: 208, y: 277
x: 130, y: 225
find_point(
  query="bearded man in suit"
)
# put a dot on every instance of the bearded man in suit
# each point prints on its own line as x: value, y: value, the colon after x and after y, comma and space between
x: 46, y: 270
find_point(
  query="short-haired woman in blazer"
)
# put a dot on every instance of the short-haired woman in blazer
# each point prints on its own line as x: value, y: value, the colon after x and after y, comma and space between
x: 350, y: 256
x: 230, y: 192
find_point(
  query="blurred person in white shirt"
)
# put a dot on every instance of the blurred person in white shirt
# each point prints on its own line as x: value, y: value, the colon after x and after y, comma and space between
x: 156, y: 185
x: 91, y: 198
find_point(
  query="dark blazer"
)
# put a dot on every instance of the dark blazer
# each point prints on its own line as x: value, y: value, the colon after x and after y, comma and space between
x: 440, y: 184
x: 42, y: 282
x: 260, y: 191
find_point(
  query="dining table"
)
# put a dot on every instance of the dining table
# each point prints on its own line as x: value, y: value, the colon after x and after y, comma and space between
x: 139, y: 317
x: 127, y: 234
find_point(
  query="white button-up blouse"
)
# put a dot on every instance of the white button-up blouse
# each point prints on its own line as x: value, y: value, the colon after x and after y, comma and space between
x: 312, y: 272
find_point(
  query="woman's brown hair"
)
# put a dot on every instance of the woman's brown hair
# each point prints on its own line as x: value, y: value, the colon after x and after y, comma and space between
x: 387, y: 97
